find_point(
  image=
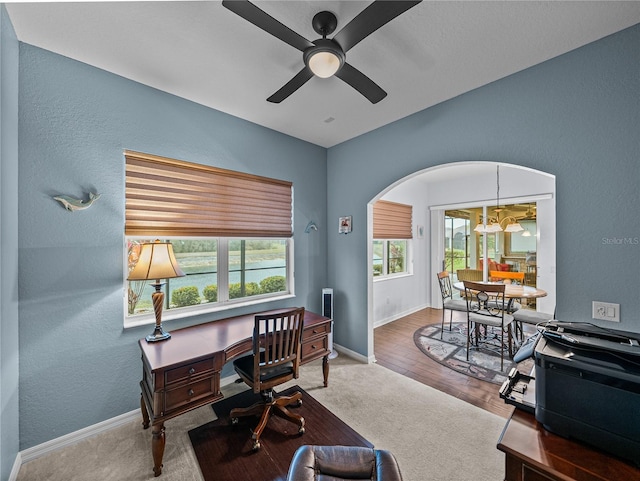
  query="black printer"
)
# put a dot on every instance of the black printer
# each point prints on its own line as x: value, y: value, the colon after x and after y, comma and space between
x: 587, y: 381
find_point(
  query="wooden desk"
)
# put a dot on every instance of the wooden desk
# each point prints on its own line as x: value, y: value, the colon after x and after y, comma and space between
x: 183, y: 373
x: 534, y: 454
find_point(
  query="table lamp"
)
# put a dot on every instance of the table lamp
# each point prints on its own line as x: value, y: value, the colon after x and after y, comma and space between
x: 156, y: 261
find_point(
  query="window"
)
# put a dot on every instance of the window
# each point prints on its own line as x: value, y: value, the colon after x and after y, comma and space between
x: 231, y: 234
x: 390, y: 257
x: 392, y: 233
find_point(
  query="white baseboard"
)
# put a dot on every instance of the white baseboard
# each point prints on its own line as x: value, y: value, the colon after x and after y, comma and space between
x: 77, y: 436
x: 13, y: 475
x: 395, y: 317
x: 354, y: 355
x: 70, y: 439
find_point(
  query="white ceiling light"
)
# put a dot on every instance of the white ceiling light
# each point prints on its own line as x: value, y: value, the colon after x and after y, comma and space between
x: 494, y: 224
x: 324, y: 59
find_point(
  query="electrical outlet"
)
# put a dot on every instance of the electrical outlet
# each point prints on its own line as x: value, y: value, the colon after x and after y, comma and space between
x: 606, y: 311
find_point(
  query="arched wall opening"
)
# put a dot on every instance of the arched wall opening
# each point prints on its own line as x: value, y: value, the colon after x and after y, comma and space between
x: 455, y: 185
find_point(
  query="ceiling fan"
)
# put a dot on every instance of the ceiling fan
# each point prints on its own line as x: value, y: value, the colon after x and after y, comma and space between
x: 326, y: 57
x: 530, y: 214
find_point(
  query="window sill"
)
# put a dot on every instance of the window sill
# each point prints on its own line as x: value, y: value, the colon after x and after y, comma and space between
x: 186, y: 312
x: 392, y: 277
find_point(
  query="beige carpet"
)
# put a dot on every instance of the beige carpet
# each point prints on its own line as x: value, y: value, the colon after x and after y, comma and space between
x: 435, y: 437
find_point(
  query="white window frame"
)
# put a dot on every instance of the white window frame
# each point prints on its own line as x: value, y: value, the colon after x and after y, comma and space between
x: 385, y: 268
x: 223, y: 303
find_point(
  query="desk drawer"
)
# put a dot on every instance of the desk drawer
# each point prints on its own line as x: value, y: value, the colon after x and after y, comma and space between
x: 314, y: 348
x: 189, y: 393
x: 187, y: 371
x: 318, y: 330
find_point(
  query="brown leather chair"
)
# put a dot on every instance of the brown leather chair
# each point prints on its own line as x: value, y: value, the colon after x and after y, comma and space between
x: 275, y: 360
x: 311, y: 463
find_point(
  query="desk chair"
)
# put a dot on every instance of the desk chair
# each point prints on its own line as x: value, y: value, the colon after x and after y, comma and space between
x: 447, y: 299
x: 486, y: 306
x: 275, y: 360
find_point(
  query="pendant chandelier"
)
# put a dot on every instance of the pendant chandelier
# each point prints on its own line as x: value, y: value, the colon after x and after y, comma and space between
x: 494, y: 224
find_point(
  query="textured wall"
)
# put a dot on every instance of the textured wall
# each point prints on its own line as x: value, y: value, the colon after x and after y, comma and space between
x: 78, y: 366
x: 8, y: 245
x: 575, y: 116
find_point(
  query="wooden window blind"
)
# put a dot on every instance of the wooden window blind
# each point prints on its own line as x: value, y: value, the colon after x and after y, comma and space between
x: 167, y: 197
x: 392, y: 220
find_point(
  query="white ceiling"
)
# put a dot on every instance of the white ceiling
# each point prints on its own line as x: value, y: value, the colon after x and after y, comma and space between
x: 205, y: 53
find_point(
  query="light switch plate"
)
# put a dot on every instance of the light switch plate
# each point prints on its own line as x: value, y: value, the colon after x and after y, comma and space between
x: 606, y: 311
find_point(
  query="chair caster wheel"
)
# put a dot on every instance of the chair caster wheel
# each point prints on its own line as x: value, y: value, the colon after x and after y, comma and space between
x: 299, y: 403
x: 234, y: 421
x: 256, y: 446
x: 301, y: 430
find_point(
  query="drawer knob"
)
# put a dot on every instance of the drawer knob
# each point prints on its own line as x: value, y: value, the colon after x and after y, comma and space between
x: 313, y: 346
x: 190, y: 393
x: 192, y: 370
x: 315, y: 331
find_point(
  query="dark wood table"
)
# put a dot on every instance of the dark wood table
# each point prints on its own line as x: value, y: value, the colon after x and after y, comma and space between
x: 183, y: 372
x: 534, y: 454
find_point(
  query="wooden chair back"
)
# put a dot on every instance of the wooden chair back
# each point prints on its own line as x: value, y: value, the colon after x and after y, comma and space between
x: 469, y: 274
x: 276, y: 348
x: 445, y: 285
x: 485, y: 299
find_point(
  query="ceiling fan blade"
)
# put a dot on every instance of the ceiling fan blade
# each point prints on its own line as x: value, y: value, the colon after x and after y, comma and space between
x: 371, y: 19
x: 361, y: 83
x: 266, y: 22
x: 291, y: 86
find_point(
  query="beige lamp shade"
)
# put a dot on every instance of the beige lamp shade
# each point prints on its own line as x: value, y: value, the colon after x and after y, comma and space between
x: 156, y: 261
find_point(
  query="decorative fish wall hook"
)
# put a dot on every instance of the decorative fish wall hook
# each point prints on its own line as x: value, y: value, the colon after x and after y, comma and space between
x: 73, y: 204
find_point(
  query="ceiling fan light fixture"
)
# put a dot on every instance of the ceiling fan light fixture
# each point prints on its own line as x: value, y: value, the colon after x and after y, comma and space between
x: 324, y: 59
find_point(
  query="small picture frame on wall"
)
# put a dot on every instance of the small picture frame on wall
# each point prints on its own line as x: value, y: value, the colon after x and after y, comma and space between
x: 420, y: 232
x: 344, y: 226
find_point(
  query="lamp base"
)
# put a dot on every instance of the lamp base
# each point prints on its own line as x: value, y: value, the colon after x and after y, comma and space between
x: 159, y: 334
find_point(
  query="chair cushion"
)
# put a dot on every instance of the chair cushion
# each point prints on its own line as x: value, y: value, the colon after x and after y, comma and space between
x: 531, y: 317
x: 455, y: 304
x: 489, y: 320
x: 244, y: 366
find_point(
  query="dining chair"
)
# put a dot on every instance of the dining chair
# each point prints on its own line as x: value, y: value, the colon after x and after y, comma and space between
x: 444, y: 280
x: 274, y: 361
x: 531, y: 317
x: 486, y: 306
x: 507, y: 277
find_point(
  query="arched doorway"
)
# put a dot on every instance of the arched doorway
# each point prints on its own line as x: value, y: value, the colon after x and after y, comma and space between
x: 455, y: 185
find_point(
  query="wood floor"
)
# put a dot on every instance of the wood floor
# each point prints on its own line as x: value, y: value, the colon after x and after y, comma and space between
x: 395, y: 349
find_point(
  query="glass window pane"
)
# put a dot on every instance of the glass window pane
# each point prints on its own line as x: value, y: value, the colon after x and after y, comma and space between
x: 256, y: 267
x: 198, y: 258
x: 520, y: 243
x: 378, y: 256
x: 396, y: 259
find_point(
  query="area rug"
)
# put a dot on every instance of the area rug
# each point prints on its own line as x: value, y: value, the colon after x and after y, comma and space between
x: 224, y: 451
x: 451, y: 351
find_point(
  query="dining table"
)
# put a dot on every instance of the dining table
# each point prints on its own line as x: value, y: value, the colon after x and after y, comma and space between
x: 511, y: 291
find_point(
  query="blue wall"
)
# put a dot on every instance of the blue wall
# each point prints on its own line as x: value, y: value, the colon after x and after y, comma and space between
x: 576, y: 116
x: 8, y: 245
x: 77, y: 364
